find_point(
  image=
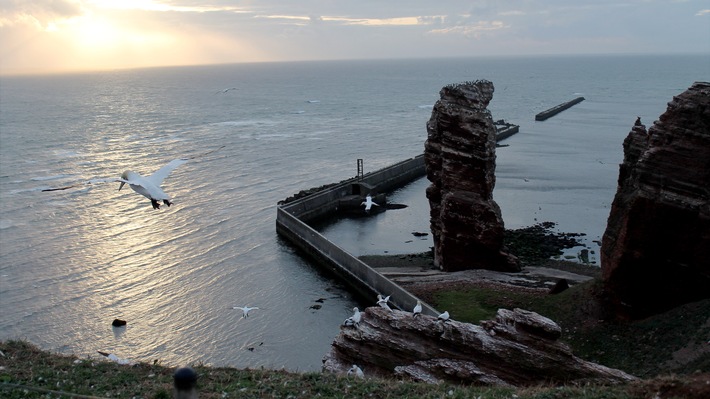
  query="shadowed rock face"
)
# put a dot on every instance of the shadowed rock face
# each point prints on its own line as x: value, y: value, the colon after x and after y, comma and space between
x: 655, y: 252
x: 466, y: 222
x: 518, y: 348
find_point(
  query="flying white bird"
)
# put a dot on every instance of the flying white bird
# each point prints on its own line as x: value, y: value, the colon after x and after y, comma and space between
x: 357, y: 371
x: 382, y: 302
x: 115, y: 358
x: 245, y: 310
x: 148, y: 186
x: 353, y: 320
x: 368, y: 203
x: 417, y: 309
x: 444, y: 316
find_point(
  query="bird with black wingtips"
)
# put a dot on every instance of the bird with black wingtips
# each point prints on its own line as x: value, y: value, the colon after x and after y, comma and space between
x: 354, y: 320
x: 147, y: 186
x: 417, y: 309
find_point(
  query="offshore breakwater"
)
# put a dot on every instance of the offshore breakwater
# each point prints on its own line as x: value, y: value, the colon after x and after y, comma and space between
x: 557, y: 109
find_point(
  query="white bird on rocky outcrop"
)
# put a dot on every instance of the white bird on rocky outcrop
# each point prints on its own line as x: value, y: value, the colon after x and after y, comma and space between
x: 353, y: 320
x: 148, y: 186
x: 382, y: 302
x: 444, y: 316
x: 357, y: 371
x: 417, y: 309
x: 245, y: 310
x: 368, y: 203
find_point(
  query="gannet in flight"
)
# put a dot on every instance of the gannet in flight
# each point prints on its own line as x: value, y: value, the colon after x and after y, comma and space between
x: 148, y: 186
x: 245, y: 310
x: 417, y: 309
x: 382, y: 302
x: 357, y: 371
x: 353, y: 320
x: 368, y: 203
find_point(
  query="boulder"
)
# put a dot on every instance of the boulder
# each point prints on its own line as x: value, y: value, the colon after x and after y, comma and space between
x: 517, y: 348
x: 655, y: 252
x: 466, y: 223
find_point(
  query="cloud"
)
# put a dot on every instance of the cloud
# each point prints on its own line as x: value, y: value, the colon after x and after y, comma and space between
x: 476, y: 30
x: 40, y: 13
x: 702, y: 12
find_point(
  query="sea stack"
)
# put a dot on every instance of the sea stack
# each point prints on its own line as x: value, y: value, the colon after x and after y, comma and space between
x: 655, y: 252
x: 466, y: 222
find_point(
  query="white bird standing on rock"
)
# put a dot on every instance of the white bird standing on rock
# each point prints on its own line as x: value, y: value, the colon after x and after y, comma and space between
x: 444, y: 316
x: 382, y: 302
x: 353, y: 320
x: 245, y: 310
x: 357, y: 371
x: 368, y: 203
x: 417, y: 309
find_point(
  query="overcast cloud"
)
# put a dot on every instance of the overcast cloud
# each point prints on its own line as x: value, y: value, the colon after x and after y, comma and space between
x: 85, y: 34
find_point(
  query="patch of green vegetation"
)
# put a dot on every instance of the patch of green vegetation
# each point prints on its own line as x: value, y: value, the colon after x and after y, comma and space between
x: 28, y: 372
x: 644, y: 348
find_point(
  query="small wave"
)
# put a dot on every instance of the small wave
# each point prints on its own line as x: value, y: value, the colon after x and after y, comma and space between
x: 298, y: 112
x: 68, y: 153
x: 313, y: 101
x: 6, y: 224
x: 425, y: 106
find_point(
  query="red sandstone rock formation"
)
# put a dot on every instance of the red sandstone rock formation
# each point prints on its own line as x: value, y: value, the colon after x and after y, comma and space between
x: 518, y: 348
x: 655, y: 252
x: 466, y: 223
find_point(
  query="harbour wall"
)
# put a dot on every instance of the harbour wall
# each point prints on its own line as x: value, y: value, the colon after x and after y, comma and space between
x: 292, y: 223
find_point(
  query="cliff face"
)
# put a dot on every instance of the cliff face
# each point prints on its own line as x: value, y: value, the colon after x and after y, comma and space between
x: 466, y: 223
x: 655, y: 252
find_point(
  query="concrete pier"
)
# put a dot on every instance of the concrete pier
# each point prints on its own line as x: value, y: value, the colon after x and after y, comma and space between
x: 292, y: 220
x: 557, y: 109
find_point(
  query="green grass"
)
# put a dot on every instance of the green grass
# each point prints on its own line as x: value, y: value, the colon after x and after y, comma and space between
x: 643, y: 348
x: 39, y: 374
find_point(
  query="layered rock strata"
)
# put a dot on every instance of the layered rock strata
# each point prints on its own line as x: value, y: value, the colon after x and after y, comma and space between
x: 517, y: 348
x: 466, y: 222
x: 655, y: 252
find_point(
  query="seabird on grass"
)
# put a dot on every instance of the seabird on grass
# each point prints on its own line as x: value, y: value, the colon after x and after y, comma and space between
x: 115, y: 358
x: 417, y: 309
x: 354, y: 320
x: 368, y: 203
x: 245, y: 310
x: 357, y: 371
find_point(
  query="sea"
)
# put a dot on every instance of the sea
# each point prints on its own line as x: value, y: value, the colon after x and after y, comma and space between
x: 72, y: 261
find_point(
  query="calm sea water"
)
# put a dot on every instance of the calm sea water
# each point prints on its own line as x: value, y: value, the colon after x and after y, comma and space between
x: 72, y: 261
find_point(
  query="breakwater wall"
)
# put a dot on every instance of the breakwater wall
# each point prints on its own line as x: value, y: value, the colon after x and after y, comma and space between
x: 292, y: 224
x: 557, y: 109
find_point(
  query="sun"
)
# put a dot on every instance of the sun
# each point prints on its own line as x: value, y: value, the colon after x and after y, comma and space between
x: 90, y: 32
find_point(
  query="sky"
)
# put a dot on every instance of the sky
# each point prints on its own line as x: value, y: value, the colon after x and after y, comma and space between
x: 49, y: 36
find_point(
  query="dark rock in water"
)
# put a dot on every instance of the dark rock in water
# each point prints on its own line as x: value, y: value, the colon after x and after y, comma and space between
x: 466, y: 222
x: 560, y: 286
x: 656, y: 248
x: 118, y: 323
x: 518, y: 348
x: 419, y: 234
